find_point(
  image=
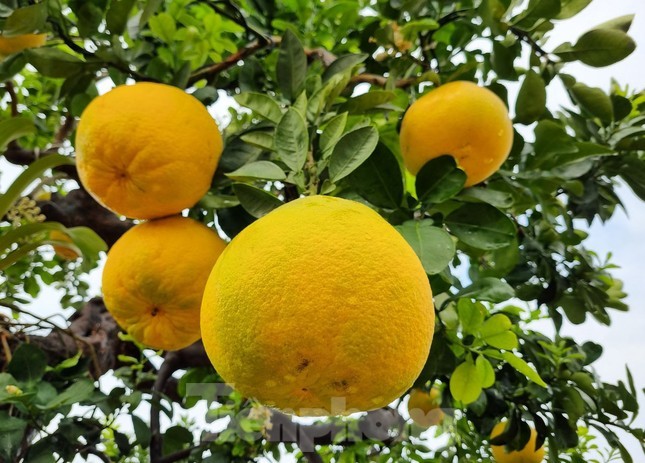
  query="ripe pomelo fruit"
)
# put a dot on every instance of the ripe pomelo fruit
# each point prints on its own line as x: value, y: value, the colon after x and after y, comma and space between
x: 527, y: 455
x: 320, y: 307
x: 424, y: 407
x: 17, y: 43
x: 62, y: 251
x: 147, y: 150
x: 154, y: 279
x: 460, y: 119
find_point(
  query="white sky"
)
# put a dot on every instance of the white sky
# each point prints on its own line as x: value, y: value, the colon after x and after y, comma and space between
x: 623, y: 342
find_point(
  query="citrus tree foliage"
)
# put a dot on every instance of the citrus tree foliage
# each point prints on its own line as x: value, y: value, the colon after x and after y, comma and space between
x: 320, y: 89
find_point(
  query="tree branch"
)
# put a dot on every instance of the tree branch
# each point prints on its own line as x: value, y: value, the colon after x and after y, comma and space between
x: 381, y: 81
x: 13, y: 97
x: 168, y: 367
x: 244, y: 52
x: 526, y: 38
x: 78, y: 208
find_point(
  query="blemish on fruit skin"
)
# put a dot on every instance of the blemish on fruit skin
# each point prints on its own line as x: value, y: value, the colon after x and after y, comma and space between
x: 341, y: 385
x: 304, y: 363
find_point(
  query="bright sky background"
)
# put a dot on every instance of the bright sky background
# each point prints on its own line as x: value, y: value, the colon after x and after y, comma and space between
x: 624, y: 341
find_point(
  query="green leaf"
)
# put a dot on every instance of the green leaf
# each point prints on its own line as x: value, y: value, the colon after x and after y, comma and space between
x: 593, y: 100
x: 466, y: 383
x: 292, y: 140
x: 141, y: 431
x: 89, y: 243
x: 496, y: 332
x: 292, y: 66
x: 574, y: 308
x: 26, y: 20
x: 486, y: 371
x: 342, y: 64
x: 503, y: 59
x: 261, y: 104
x: 471, y: 315
x: 621, y: 23
x: 412, y: 29
x: 439, y: 179
x: 117, y: 15
x: 255, y: 201
x: 499, y: 199
x: 351, y: 151
x: 598, y: 48
x: 53, y: 62
x: 551, y: 140
x: 258, y: 170
x: 523, y: 367
x: 433, y: 245
x: 331, y: 134
x: 151, y: 8
x: 28, y: 364
x: 570, y: 8
x: 78, y: 392
x: 535, y: 13
x: 12, y: 430
x: 379, y: 179
x: 260, y: 139
x: 163, y: 27
x: 488, y: 289
x: 211, y: 201
x: 531, y: 101
x: 14, y: 128
x: 176, y: 438
x: 481, y: 226
x: 362, y: 103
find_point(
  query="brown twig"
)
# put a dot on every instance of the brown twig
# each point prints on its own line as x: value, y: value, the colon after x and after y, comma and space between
x: 244, y: 52
x: 168, y: 367
x: 526, y: 38
x: 208, y: 72
x: 181, y: 454
x: 13, y: 97
x: 381, y: 81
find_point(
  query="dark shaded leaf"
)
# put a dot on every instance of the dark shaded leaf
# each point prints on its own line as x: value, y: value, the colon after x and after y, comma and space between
x: 379, y: 179
x: 439, y: 179
x: 531, y: 101
x: 255, y: 201
x: 28, y: 364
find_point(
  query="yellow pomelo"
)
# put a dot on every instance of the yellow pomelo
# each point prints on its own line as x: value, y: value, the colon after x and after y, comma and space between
x: 527, y: 455
x: 147, y: 150
x: 463, y: 120
x: 154, y: 279
x: 16, y: 43
x: 425, y: 407
x: 61, y: 251
x: 320, y: 307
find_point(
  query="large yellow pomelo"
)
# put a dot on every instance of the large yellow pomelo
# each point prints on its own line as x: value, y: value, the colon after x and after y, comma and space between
x: 16, y: 43
x: 147, y: 150
x: 154, y: 279
x: 424, y: 407
x: 463, y: 120
x: 527, y: 455
x: 320, y: 307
